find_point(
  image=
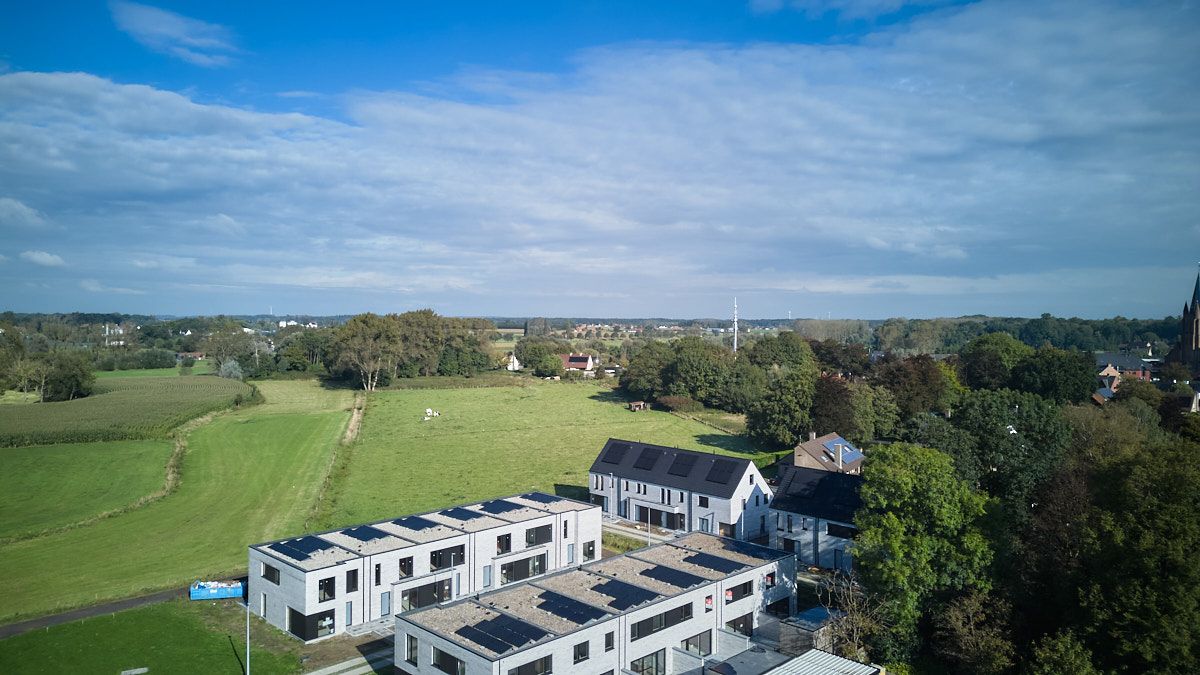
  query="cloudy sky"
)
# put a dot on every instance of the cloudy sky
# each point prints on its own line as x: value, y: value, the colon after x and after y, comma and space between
x: 844, y: 158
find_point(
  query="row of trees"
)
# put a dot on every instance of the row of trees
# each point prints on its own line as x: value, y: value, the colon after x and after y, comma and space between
x: 60, y: 375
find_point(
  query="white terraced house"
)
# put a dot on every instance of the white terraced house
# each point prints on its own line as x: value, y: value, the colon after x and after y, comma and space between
x: 667, y: 608
x: 316, y: 585
x: 680, y: 489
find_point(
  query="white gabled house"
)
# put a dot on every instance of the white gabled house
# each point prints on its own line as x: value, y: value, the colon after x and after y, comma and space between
x: 812, y: 516
x: 680, y: 489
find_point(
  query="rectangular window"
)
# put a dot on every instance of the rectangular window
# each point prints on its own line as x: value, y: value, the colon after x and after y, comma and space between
x: 378, y: 574
x: 310, y: 627
x: 351, y: 581
x: 538, y: 535
x: 769, y: 580
x: 750, y: 479
x: 671, y: 617
x: 789, y: 522
x: 446, y: 557
x: 662, y: 495
x: 349, y: 613
x: 589, y: 550
x: 756, y: 500
x: 522, y: 569
x: 681, y: 496
x: 487, y: 576
x: 701, y: 644
x: 271, y: 574
x: 743, y: 504
x: 262, y: 605
x: 703, y: 502
x: 708, y: 604
x: 738, y: 592
x: 627, y: 486
x: 410, y: 653
x: 543, y: 666
x: 650, y: 664
x: 841, y: 531
x: 565, y: 535
x: 581, y: 652
x: 325, y: 589
x: 503, y: 543
x: 406, y: 567
x: 610, y: 640
x: 424, y: 596
x: 743, y: 624
x: 447, y: 664
x: 570, y: 554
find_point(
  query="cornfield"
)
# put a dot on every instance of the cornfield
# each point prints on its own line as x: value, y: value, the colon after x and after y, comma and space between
x: 122, y: 408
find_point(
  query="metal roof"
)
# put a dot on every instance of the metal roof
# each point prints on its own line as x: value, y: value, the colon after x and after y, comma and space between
x: 817, y: 662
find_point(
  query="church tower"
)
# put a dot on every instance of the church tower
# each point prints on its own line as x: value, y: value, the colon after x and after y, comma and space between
x: 1187, y: 351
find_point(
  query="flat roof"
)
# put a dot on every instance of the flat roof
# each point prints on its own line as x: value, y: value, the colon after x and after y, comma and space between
x: 324, y: 549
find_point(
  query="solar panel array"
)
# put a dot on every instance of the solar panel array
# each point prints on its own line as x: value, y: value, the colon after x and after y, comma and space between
x: 849, y: 452
x: 712, y: 562
x: 721, y: 471
x: 570, y: 609
x: 502, y: 633
x: 499, y: 506
x: 415, y: 523
x: 648, y: 458
x: 616, y: 453
x: 682, y: 466
x: 300, y: 549
x: 624, y: 595
x: 667, y: 575
x: 541, y: 498
x: 365, y: 533
x: 459, y: 513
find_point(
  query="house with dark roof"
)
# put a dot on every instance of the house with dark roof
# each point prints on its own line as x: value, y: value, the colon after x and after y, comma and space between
x: 812, y: 516
x: 1127, y: 366
x: 680, y: 489
x: 581, y: 362
x: 830, y: 452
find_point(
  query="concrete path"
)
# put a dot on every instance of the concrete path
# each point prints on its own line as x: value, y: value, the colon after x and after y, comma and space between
x: 88, y: 612
x: 378, y: 661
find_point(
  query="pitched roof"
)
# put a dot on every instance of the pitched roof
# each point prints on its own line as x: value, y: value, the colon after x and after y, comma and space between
x: 820, y: 494
x: 1121, y: 361
x: 575, y: 360
x: 706, y: 473
x: 824, y: 450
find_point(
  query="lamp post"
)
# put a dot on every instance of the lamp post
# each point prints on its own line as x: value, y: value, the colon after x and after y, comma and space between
x: 247, y: 627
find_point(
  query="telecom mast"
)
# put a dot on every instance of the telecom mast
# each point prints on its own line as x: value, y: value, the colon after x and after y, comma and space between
x: 735, y: 325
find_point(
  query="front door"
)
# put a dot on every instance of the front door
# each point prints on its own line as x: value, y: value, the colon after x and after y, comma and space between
x: 385, y: 603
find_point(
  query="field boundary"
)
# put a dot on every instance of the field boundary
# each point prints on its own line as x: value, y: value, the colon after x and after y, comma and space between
x: 339, y: 461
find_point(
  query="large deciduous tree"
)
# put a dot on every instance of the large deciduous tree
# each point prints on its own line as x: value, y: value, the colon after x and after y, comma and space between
x: 367, y: 344
x: 646, y: 375
x: 1056, y: 374
x: 783, y: 416
x: 987, y: 361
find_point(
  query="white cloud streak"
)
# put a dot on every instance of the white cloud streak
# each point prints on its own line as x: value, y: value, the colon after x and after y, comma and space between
x: 15, y: 214
x: 93, y: 286
x: 197, y: 42
x: 43, y: 258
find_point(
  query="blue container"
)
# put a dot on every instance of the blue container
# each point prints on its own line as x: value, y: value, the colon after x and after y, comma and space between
x: 215, y: 590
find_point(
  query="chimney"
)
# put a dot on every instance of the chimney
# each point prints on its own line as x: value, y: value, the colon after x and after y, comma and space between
x: 838, y: 448
x: 812, y: 435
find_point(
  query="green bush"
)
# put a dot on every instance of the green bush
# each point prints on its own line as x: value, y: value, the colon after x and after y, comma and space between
x: 680, y: 404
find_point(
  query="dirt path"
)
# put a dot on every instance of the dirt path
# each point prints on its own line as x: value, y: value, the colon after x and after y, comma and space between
x: 356, y: 415
x: 87, y: 612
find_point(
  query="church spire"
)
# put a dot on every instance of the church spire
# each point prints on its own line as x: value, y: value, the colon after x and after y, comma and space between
x: 1196, y: 291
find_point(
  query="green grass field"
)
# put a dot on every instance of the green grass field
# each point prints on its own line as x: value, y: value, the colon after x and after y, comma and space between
x: 201, y: 368
x: 120, y: 408
x: 248, y: 476
x: 12, y: 397
x: 50, y: 486
x: 174, y: 637
x: 490, y: 442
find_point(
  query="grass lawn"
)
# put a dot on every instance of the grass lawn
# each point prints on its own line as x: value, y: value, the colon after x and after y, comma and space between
x: 49, y: 486
x: 201, y: 368
x: 120, y: 408
x: 173, y: 637
x: 248, y: 476
x: 12, y: 397
x: 491, y: 442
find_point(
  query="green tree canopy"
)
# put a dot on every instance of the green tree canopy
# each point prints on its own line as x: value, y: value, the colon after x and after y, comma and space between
x: 1056, y: 374
x: 782, y: 417
x: 987, y: 361
x: 646, y: 375
x: 368, y: 345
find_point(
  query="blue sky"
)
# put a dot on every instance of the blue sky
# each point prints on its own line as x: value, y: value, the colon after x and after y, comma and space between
x: 845, y: 158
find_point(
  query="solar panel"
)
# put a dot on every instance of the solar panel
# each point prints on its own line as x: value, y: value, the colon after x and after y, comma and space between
x: 721, y: 471
x: 415, y: 523
x: 648, y: 458
x: 682, y: 465
x: 712, y: 562
x: 481, y: 638
x: 849, y: 452
x: 300, y: 549
x: 459, y: 513
x: 624, y: 595
x: 501, y: 633
x: 541, y: 498
x: 616, y: 453
x: 499, y: 506
x: 365, y: 533
x: 676, y: 578
x: 570, y: 609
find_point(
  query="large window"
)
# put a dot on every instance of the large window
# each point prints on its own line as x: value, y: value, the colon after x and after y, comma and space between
x: 650, y: 664
x: 447, y: 664
x: 503, y: 543
x: 841, y: 531
x: 410, y: 652
x: 589, y: 550
x: 610, y: 641
x: 424, y: 596
x: 743, y: 624
x: 351, y: 581
x: 446, y: 557
x: 581, y: 652
x: 698, y: 644
x: 542, y: 666
x: 539, y: 535
x: 310, y: 627
x: 522, y: 569
x: 659, y: 622
x: 271, y: 574
x: 325, y: 589
x: 703, y: 501
x: 406, y: 567
x: 738, y: 592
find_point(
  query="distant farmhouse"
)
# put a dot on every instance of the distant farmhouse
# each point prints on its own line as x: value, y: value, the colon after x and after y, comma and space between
x: 680, y: 489
x: 585, y: 363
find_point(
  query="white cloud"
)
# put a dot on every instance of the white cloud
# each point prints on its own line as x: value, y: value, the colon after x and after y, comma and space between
x: 16, y: 214
x: 846, y: 9
x: 197, y: 42
x: 43, y: 258
x: 93, y: 286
